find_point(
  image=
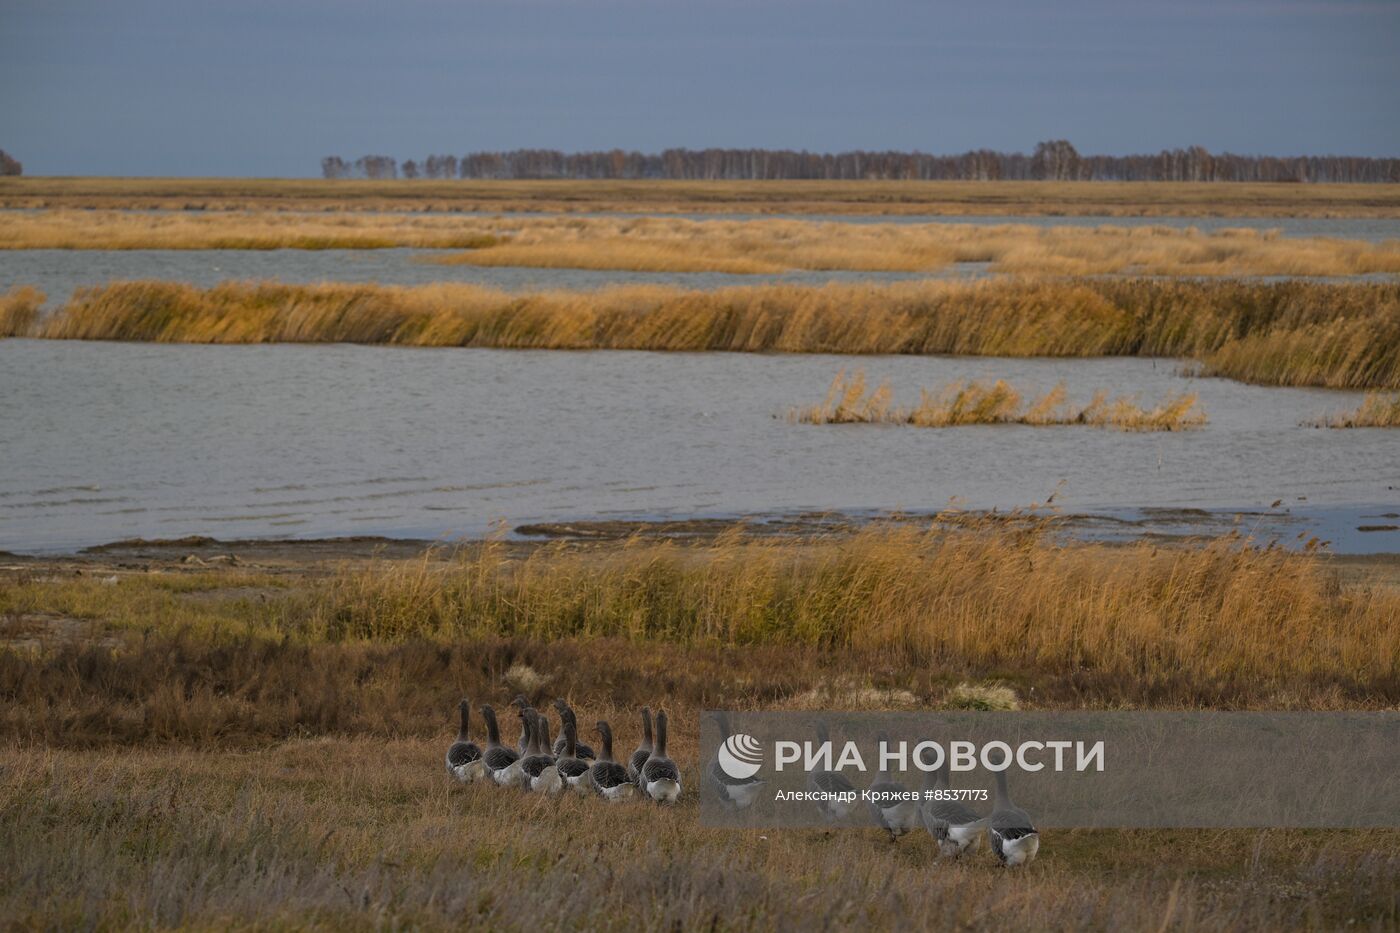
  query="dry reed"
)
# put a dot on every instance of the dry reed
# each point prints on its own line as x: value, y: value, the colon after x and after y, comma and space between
x: 19, y: 311
x: 972, y: 403
x: 1285, y: 333
x: 1377, y: 410
x: 731, y: 246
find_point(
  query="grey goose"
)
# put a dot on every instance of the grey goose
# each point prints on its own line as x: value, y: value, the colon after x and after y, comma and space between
x: 537, y: 769
x: 736, y: 793
x: 464, y: 756
x: 836, y: 794
x: 894, y: 814
x: 954, y: 826
x: 660, y: 777
x: 566, y: 716
x: 643, y: 752
x: 608, y: 777
x: 1013, y: 836
x: 502, y: 763
x: 572, y: 768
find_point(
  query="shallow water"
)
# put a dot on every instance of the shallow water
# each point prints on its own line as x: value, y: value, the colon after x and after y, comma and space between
x: 58, y: 272
x: 101, y: 441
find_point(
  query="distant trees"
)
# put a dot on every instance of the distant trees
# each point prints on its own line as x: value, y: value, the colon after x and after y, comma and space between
x: 9, y: 165
x: 1055, y: 160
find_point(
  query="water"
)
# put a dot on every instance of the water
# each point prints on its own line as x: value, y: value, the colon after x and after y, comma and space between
x: 58, y: 272
x: 102, y: 441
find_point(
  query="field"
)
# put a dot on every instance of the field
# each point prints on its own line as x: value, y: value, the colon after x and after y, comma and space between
x: 269, y: 722
x: 1113, y: 199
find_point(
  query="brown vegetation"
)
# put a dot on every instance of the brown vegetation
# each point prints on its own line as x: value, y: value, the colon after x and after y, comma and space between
x: 1290, y: 333
x: 19, y: 311
x: 970, y: 403
x: 1377, y: 410
x: 1115, y: 199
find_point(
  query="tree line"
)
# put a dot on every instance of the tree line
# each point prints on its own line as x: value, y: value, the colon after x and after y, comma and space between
x: 9, y: 165
x: 1054, y: 160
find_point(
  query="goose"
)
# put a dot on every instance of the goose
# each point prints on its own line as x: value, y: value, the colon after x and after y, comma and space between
x: 572, y: 768
x: 566, y: 716
x: 660, y: 777
x: 828, y: 784
x: 643, y: 752
x: 464, y: 760
x: 954, y: 826
x: 737, y: 793
x: 502, y: 763
x: 896, y: 816
x: 537, y: 769
x: 609, y: 777
x: 1014, y: 838
x: 521, y: 705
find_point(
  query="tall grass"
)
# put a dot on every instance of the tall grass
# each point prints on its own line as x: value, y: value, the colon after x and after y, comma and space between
x: 1287, y: 333
x: 19, y: 311
x: 1377, y: 410
x: 989, y: 597
x: 969, y: 403
x: 992, y: 198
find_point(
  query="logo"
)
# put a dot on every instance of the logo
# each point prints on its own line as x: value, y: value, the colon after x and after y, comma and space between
x: 740, y: 756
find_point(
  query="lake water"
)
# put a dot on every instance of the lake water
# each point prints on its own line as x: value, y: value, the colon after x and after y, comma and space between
x: 102, y: 441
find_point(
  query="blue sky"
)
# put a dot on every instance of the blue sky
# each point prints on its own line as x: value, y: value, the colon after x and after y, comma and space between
x: 154, y: 87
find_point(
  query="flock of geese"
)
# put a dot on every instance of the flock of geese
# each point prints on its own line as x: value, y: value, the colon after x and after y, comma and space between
x: 544, y: 766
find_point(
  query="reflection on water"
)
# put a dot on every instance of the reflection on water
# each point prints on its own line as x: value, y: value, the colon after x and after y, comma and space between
x: 107, y: 441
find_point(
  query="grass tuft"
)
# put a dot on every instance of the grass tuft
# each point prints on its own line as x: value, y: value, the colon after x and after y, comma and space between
x: 1377, y: 410
x: 19, y: 311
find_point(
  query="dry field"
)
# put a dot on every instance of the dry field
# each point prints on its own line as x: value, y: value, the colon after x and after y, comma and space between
x: 849, y: 401
x: 188, y: 743
x: 1289, y: 333
x: 669, y: 244
x: 1114, y: 199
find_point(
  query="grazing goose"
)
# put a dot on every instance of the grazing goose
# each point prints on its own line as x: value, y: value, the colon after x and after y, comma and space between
x: 502, y: 764
x: 609, y: 777
x: 643, y: 752
x: 661, y: 779
x: 572, y: 768
x: 1014, y: 838
x: 566, y: 716
x: 895, y: 816
x: 737, y: 793
x: 954, y: 825
x: 464, y: 757
x: 828, y: 784
x: 537, y: 769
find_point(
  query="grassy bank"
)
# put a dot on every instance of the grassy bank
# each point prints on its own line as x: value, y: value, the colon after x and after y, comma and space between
x: 1290, y: 333
x: 1377, y: 410
x: 670, y: 244
x: 190, y: 743
x: 848, y: 401
x: 1122, y: 199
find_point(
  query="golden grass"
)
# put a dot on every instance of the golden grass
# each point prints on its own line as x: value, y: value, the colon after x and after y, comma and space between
x: 250, y: 230
x: 1289, y: 333
x: 19, y: 311
x: 971, y: 403
x: 669, y: 244
x: 1377, y: 410
x: 1121, y: 199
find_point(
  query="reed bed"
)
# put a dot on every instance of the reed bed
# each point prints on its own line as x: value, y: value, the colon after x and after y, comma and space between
x: 1377, y: 410
x: 238, y: 230
x: 972, y: 403
x: 988, y: 198
x: 669, y: 244
x: 19, y: 311
x: 985, y: 596
x: 1284, y: 333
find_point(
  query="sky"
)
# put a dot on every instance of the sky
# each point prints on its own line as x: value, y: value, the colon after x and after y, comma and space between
x: 268, y: 87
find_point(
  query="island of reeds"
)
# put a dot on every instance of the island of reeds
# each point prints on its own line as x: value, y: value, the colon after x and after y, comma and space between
x: 1272, y: 333
x: 972, y: 403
